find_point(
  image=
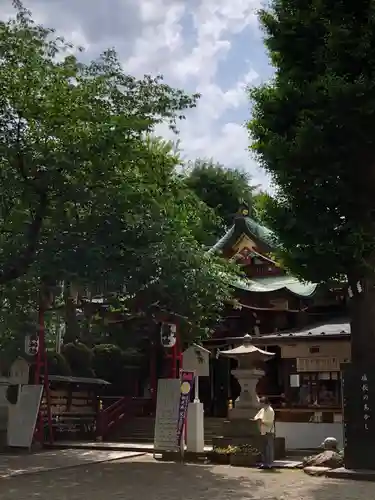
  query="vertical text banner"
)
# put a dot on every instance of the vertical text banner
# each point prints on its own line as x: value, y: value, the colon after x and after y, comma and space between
x: 186, y: 387
x: 359, y: 422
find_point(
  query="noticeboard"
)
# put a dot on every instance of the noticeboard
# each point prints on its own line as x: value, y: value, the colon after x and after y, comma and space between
x: 197, y: 359
x: 23, y: 416
x: 19, y: 372
x: 167, y: 411
x: 358, y: 387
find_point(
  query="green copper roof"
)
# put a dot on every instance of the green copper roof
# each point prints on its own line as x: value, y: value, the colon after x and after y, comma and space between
x: 275, y: 283
x: 247, y: 226
x: 261, y: 232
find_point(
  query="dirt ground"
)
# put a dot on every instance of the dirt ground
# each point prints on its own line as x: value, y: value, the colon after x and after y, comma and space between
x: 144, y: 479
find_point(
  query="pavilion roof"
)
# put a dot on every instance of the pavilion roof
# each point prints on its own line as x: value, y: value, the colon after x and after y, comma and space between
x: 336, y: 328
x: 276, y: 283
x: 255, y: 231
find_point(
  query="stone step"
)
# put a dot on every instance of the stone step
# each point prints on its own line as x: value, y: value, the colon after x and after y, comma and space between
x: 141, y: 429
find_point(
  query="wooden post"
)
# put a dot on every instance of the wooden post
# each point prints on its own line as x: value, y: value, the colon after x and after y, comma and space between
x: 41, y: 363
x: 153, y: 374
x: 174, y: 361
x: 39, y: 358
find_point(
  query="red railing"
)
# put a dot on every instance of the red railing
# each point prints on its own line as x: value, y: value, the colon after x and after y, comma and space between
x: 111, y: 416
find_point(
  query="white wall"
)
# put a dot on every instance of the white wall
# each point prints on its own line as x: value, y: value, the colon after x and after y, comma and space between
x: 306, y: 435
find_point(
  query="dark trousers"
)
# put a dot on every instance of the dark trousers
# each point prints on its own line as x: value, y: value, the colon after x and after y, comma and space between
x: 268, y: 449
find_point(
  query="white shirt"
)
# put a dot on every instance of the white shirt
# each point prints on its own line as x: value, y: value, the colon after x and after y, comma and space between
x: 267, y: 419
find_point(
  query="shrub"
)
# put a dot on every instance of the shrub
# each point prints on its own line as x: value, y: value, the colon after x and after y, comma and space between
x: 109, y: 362
x: 57, y: 364
x: 80, y: 359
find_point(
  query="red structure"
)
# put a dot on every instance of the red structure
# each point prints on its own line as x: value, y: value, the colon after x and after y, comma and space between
x: 153, y: 374
x: 41, y: 370
x: 175, y: 357
x: 170, y: 340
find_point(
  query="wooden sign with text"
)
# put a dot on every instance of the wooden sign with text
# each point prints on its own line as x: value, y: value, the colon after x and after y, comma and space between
x: 358, y: 385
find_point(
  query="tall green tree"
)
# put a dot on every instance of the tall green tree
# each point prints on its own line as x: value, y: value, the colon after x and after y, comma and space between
x: 222, y: 189
x: 313, y: 130
x: 261, y: 203
x: 86, y: 198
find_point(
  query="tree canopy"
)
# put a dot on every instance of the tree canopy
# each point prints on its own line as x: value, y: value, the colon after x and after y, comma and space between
x: 312, y: 130
x: 261, y: 204
x: 86, y: 196
x: 222, y: 189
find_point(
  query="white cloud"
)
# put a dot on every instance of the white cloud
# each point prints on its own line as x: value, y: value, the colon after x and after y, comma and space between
x: 187, y: 42
x: 206, y: 133
x: 160, y: 38
x: 215, y: 21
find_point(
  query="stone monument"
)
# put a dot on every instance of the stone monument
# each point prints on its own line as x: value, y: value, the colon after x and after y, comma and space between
x: 241, y: 428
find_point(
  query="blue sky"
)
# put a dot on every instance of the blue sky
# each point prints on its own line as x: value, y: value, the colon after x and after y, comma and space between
x: 211, y: 46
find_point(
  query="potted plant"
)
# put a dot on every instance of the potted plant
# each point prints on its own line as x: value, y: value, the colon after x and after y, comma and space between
x: 221, y: 455
x: 245, y: 455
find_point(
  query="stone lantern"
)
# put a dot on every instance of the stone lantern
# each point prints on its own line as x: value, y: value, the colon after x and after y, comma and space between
x: 249, y: 371
x: 241, y: 428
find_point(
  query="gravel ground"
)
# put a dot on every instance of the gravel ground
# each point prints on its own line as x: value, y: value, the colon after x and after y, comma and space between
x: 144, y: 479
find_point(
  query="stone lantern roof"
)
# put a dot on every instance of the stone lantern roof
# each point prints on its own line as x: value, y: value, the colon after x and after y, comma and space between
x: 247, y: 350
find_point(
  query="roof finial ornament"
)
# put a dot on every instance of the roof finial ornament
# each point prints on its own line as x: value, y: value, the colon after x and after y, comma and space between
x: 244, y: 210
x: 247, y: 339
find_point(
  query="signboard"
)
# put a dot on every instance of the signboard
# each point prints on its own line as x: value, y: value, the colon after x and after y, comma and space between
x: 19, y: 372
x: 318, y: 364
x: 167, y: 411
x: 186, y: 387
x: 23, y: 416
x: 197, y: 359
x: 358, y: 386
x: 294, y: 380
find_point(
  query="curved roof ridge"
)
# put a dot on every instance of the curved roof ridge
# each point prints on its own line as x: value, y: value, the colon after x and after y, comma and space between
x: 275, y: 283
x: 252, y: 228
x: 262, y: 232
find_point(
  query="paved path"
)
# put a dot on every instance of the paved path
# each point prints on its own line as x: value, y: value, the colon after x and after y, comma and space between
x: 107, y: 445
x: 25, y: 463
x: 140, y: 447
x: 143, y: 478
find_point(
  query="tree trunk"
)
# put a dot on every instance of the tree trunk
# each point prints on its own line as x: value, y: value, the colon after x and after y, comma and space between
x: 72, y: 331
x: 362, y: 320
x: 20, y: 264
x: 86, y: 330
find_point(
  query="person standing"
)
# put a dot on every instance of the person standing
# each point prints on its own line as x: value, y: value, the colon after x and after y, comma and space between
x: 266, y: 419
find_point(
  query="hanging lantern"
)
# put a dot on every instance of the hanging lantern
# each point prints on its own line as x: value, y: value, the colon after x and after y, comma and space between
x: 31, y: 345
x: 168, y: 334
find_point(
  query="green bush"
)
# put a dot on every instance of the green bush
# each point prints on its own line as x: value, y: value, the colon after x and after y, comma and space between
x: 80, y: 359
x: 109, y: 362
x: 57, y: 364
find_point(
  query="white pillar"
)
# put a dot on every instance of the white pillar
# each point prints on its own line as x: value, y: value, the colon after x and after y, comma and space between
x: 196, y: 389
x: 195, y: 428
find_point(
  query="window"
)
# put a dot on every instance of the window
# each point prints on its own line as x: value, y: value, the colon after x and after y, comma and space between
x: 317, y: 389
x: 314, y: 349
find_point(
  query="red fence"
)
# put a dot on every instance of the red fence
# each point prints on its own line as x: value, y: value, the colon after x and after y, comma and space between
x: 111, y: 416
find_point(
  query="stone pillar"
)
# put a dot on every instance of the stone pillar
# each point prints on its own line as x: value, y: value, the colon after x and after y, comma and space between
x: 195, y: 428
x: 247, y: 405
